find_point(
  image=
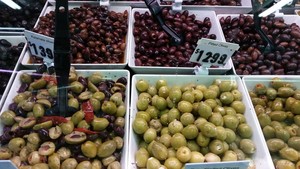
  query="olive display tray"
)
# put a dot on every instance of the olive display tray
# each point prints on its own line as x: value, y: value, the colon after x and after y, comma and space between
x: 288, y: 19
x: 26, y: 58
x: 107, y: 74
x: 14, y: 40
x: 261, y: 158
x: 250, y: 81
x: 245, y: 3
x: 200, y: 15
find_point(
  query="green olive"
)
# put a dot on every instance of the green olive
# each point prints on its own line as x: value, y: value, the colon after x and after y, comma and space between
x: 230, y: 135
x: 204, y: 110
x: 269, y: 132
x: 7, y: 117
x: 150, y: 135
x: 231, y: 121
x: 208, y: 129
x: 211, y: 157
x: 277, y: 104
x: 64, y: 153
x: 153, y: 163
x: 95, y: 78
x: 16, y: 144
x: 230, y: 156
x: 53, y: 161
x: 99, y: 95
x: 178, y: 140
x: 38, y: 110
x: 142, y: 104
x: 140, y: 125
x: 67, y: 128
x: 237, y: 95
x: 47, y: 148
x: 38, y: 84
x: 75, y: 137
x: 5, y: 153
x: 285, y: 92
x: 109, y: 107
x: 216, y: 146
x: 55, y: 132
x: 154, y: 123
x: 258, y: 101
x: 244, y: 130
x: 216, y: 119
x: 175, y: 95
x: 152, y: 90
x: 275, y: 144
x: 25, y: 78
x: 92, y: 87
x: 260, y: 89
x: 282, y: 134
x: 163, y: 91
x: 294, y: 142
x: 271, y: 93
x: 173, y: 163
x: 226, y: 97
x: 284, y: 164
x: 99, y: 124
x: 289, y: 154
x: 44, y: 125
x: 106, y: 149
x: 53, y: 91
x: 77, y: 117
x: 264, y: 120
x: 89, y: 149
x: 221, y: 133
x: 238, y: 106
x: 190, y: 131
x: 69, y: 163
x: 159, y: 150
x: 33, y: 138
x: 247, y: 146
x: 27, y: 122
x: 40, y: 166
x: 83, y: 124
x: 202, y: 140
x: 142, y: 85
x: 259, y: 109
x: 76, y: 87
x: 86, y: 95
x: 116, y: 98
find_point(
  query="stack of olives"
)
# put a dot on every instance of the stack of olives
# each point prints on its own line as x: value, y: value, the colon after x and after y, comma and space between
x: 277, y: 107
x: 91, y: 136
x: 192, y: 123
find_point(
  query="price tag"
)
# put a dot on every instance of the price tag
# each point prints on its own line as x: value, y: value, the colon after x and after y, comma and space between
x: 219, y: 165
x: 212, y: 52
x: 7, y: 164
x: 40, y: 45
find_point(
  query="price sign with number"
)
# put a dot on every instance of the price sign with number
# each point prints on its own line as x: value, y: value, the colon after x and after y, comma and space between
x: 213, y: 52
x: 40, y: 45
x: 218, y: 165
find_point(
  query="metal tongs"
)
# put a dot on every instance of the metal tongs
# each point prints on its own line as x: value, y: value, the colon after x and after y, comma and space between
x: 155, y: 10
x: 256, y: 9
x: 62, y: 54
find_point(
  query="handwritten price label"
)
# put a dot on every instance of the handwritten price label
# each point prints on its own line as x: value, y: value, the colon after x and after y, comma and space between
x: 40, y: 45
x: 219, y: 165
x: 213, y: 52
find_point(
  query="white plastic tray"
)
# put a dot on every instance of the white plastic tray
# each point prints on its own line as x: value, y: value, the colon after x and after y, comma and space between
x: 215, y: 29
x: 245, y: 3
x: 261, y: 157
x: 25, y: 60
x: 107, y: 74
x: 14, y: 40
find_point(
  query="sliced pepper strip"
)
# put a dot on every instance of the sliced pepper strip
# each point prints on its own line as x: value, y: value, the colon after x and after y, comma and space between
x: 49, y: 78
x: 86, y: 131
x: 88, y: 110
x: 55, y: 119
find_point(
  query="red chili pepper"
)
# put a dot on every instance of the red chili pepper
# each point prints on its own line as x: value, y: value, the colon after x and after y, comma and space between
x: 55, y: 119
x: 86, y: 131
x: 49, y: 78
x: 88, y: 111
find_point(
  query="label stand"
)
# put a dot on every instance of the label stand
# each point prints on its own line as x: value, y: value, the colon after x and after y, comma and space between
x: 177, y: 5
x: 104, y: 3
x: 202, y: 70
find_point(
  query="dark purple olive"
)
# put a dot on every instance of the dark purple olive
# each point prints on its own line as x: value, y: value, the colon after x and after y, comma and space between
x: 21, y: 132
x: 44, y: 134
x: 20, y: 112
x: 23, y: 88
x: 122, y: 80
x: 83, y: 81
x: 13, y: 107
x: 119, y: 131
x: 110, y: 118
x: 80, y: 157
x: 92, y: 137
x: 102, y: 86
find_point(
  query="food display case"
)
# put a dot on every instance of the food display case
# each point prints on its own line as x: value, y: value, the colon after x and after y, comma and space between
x: 124, y: 89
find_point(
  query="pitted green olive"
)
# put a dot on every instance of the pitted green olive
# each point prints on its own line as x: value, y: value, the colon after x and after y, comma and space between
x: 47, y: 148
x: 27, y: 122
x: 77, y: 117
x: 7, y: 117
x: 92, y: 87
x: 5, y: 153
x: 44, y: 125
x: 16, y: 144
x: 85, y: 95
x: 63, y: 153
x: 75, y: 137
x: 244, y: 130
x: 116, y: 98
x: 26, y: 105
x: 69, y: 163
x: 55, y: 132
